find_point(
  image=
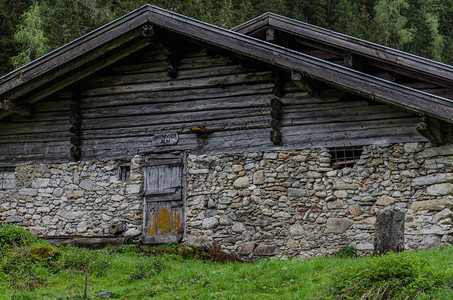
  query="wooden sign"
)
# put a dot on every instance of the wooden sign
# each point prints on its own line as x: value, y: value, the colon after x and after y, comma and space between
x: 162, y: 139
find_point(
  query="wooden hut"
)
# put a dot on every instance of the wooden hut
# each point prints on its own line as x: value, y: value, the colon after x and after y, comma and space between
x: 273, y: 138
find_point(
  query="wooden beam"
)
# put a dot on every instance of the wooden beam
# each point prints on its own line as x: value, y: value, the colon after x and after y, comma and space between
x: 311, y: 86
x: 12, y: 107
x: 430, y: 128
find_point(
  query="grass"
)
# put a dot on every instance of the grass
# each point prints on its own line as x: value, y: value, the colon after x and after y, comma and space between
x: 136, y: 274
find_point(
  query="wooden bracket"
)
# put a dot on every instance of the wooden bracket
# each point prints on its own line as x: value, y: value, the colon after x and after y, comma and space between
x: 430, y: 128
x: 171, y: 69
x: 270, y: 34
x: 311, y: 86
x: 16, y: 108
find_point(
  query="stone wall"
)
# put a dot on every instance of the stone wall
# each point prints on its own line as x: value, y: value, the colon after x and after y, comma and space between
x: 274, y: 203
x: 75, y: 199
x: 295, y: 204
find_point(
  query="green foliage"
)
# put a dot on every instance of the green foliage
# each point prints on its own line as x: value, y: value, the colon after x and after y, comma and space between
x: 15, y: 235
x: 392, y: 276
x: 346, y: 252
x: 83, y: 259
x: 145, y: 268
x: 422, y: 27
x: 30, y: 36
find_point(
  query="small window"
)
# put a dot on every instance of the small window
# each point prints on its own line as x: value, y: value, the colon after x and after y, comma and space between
x: 7, y: 179
x: 124, y: 172
x: 345, y: 157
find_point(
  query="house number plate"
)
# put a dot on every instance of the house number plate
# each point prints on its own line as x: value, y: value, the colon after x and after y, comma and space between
x: 167, y: 138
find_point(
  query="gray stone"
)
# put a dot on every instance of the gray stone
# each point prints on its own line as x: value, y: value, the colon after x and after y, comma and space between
x: 337, y: 225
x: 132, y: 232
x: 69, y: 214
x: 281, y: 215
x: 75, y: 194
x: 225, y: 200
x: 431, y: 152
x: 437, y: 204
x: 412, y: 147
x: 133, y: 189
x: 337, y: 204
x: 292, y: 192
x: 44, y: 209
x: 341, y: 185
x: 210, y: 223
x: 433, y: 179
x: 28, y: 192
x: 355, y: 210
x: 86, y: 184
x: 340, y: 194
x: 224, y: 220
x: 241, y: 183
x: 259, y: 177
x: 296, y: 230
x: 266, y: 250
x: 238, y: 227
x: 385, y: 200
x: 246, y: 248
x: 440, y: 189
x: 41, y: 183
x: 58, y: 192
x: 14, y: 219
x: 82, y: 227
x: 389, y: 231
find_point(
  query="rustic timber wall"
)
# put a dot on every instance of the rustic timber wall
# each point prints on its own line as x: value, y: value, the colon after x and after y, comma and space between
x: 124, y: 106
x: 286, y: 203
x: 292, y: 203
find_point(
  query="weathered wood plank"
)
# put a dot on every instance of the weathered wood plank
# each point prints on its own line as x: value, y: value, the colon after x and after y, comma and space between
x: 173, y: 118
x: 181, y: 84
x: 177, y: 107
x: 161, y: 75
x: 176, y: 96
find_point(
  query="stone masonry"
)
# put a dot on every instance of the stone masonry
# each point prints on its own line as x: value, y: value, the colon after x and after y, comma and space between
x: 285, y: 204
x: 294, y: 204
x: 75, y: 199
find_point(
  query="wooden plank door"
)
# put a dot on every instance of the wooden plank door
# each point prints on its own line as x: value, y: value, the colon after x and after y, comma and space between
x: 164, y: 200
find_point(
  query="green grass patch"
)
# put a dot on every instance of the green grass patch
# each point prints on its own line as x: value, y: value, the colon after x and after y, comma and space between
x: 172, y: 272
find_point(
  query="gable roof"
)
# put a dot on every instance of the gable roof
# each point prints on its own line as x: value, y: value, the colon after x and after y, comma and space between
x: 330, y: 45
x: 120, y: 38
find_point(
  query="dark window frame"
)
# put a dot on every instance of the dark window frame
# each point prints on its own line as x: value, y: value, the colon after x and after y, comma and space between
x: 3, y: 175
x: 124, y: 172
x: 342, y: 157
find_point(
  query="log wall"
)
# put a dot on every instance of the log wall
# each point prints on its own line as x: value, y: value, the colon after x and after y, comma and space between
x: 124, y: 106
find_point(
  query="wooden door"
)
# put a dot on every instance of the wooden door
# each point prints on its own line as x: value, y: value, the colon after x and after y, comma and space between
x: 164, y: 200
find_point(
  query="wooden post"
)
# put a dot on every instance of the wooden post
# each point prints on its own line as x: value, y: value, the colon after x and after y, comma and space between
x: 389, y: 234
x: 76, y: 122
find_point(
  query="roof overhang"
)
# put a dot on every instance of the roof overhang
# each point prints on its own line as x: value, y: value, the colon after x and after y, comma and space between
x: 60, y: 64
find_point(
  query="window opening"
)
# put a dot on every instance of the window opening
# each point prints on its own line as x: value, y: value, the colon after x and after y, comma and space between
x: 7, y: 179
x: 124, y: 172
x: 343, y: 157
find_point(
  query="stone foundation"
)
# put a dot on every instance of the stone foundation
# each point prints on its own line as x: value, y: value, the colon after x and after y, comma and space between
x: 75, y: 199
x: 275, y: 203
x: 294, y: 204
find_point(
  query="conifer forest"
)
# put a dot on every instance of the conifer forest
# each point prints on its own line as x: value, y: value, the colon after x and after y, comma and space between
x: 32, y: 28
